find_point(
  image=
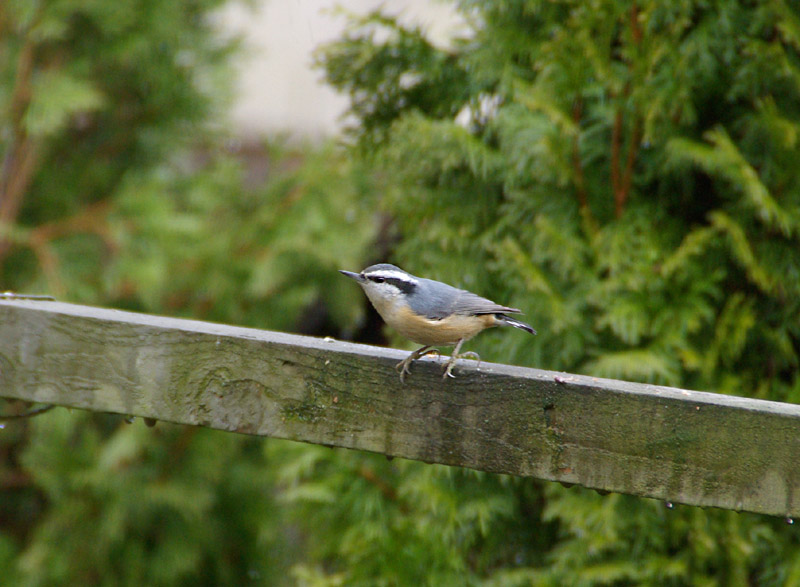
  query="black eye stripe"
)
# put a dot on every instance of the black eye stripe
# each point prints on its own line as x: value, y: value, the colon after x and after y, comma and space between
x: 401, y: 284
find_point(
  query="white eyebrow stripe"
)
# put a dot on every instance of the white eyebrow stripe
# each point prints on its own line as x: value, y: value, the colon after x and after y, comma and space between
x: 389, y: 274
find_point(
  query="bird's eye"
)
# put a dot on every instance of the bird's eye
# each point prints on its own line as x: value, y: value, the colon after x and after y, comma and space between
x: 378, y: 279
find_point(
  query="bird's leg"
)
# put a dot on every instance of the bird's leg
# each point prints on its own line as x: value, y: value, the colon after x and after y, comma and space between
x: 452, y: 362
x: 404, y: 366
x: 448, y: 371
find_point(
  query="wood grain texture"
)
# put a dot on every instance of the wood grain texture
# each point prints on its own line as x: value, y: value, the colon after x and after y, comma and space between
x: 672, y: 444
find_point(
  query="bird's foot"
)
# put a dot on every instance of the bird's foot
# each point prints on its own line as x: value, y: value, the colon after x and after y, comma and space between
x: 404, y: 366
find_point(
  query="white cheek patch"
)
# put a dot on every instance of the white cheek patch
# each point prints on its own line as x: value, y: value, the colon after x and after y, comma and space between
x: 383, y: 291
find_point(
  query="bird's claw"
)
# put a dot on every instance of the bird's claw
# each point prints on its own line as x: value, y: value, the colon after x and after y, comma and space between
x: 404, y: 366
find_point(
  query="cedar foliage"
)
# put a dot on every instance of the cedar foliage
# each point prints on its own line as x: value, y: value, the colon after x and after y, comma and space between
x: 628, y: 173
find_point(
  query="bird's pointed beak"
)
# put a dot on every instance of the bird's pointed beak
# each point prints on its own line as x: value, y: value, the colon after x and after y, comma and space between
x: 351, y: 275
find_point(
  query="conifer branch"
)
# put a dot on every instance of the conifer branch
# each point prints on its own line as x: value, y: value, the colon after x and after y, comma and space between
x: 616, y: 184
x: 28, y: 414
x: 19, y: 161
x: 589, y: 223
x: 371, y: 476
x: 621, y: 180
x: 580, y: 180
x: 630, y: 160
x: 177, y: 451
x: 636, y: 31
x: 92, y: 219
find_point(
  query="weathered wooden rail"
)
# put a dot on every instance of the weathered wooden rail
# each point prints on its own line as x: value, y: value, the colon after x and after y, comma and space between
x: 672, y: 444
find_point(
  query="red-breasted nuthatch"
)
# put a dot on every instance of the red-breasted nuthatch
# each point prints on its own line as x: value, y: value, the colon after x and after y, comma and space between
x: 429, y: 312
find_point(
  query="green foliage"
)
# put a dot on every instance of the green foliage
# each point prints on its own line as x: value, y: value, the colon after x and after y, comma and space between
x: 419, y: 75
x: 132, y: 200
x: 147, y: 506
x: 116, y: 189
x: 92, y: 93
x: 627, y: 174
x: 417, y: 525
x: 277, y: 255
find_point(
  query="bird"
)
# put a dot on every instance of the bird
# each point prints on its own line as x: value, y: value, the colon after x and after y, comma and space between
x: 430, y: 313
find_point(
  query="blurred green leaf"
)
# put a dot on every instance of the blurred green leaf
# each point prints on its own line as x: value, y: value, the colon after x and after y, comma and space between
x: 57, y: 97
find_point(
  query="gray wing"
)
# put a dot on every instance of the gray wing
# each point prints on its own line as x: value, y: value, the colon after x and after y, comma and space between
x: 438, y: 300
x: 469, y: 303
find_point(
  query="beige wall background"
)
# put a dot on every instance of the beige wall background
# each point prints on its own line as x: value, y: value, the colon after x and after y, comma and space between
x: 277, y: 90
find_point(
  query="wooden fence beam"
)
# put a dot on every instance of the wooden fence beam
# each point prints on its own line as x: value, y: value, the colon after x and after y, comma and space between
x: 676, y: 445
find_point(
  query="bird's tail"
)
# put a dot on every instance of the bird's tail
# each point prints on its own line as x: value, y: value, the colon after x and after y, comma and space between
x: 503, y: 319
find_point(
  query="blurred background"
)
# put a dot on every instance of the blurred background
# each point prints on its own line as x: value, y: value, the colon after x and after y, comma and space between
x: 625, y: 171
